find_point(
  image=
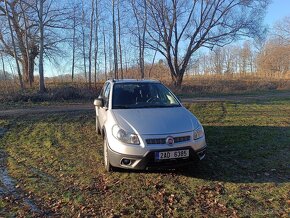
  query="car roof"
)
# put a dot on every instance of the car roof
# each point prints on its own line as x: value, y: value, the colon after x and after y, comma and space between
x: 134, y: 81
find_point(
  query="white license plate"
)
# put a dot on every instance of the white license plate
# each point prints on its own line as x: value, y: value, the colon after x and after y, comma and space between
x: 164, y: 155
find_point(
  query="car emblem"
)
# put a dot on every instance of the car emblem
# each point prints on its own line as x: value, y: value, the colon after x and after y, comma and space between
x: 170, y: 140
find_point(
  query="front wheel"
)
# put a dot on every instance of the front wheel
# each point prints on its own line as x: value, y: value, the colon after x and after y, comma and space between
x: 107, y: 164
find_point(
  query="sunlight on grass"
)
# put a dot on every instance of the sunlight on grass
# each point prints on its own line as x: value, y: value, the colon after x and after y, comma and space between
x: 57, y: 159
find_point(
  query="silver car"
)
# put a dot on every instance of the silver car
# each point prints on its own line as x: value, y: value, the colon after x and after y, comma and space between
x: 144, y: 125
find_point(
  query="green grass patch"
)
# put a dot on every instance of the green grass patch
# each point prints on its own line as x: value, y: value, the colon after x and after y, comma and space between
x: 57, y: 160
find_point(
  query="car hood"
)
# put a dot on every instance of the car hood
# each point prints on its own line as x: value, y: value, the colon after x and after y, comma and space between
x: 151, y: 121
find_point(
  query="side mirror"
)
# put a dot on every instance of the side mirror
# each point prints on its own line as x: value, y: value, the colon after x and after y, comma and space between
x: 99, y: 102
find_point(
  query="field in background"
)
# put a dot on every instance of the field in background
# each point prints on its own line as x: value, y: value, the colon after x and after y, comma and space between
x: 62, y: 90
x: 223, y: 85
x: 56, y: 160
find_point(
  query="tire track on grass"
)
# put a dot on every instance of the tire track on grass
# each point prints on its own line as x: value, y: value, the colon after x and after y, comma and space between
x: 8, y: 187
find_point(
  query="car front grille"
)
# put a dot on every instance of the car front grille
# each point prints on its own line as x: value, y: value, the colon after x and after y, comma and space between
x: 163, y: 140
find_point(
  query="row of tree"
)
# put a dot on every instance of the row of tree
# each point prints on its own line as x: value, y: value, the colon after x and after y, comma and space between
x: 97, y: 36
x: 270, y: 58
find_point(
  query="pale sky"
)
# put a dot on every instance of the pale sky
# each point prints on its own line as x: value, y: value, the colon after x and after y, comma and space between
x: 277, y: 11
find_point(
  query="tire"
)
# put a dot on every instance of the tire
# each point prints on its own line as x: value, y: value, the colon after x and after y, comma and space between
x: 107, y: 164
x: 98, y: 130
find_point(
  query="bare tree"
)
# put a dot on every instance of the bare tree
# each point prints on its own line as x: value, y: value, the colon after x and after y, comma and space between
x: 119, y: 40
x: 115, y: 41
x: 273, y: 58
x: 41, y: 47
x: 217, y: 59
x: 3, y: 67
x: 26, y: 51
x: 229, y: 58
x: 73, y: 42
x: 178, y: 28
x: 84, y: 40
x: 26, y: 35
x: 24, y: 17
x: 97, y: 20
x: 91, y: 42
x: 105, y: 53
x: 14, y: 46
x: 140, y: 13
x: 282, y: 29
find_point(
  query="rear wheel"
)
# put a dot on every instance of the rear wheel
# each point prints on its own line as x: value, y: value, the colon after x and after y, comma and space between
x: 107, y: 164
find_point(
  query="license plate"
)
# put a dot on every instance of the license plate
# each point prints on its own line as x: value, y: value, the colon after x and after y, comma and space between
x: 165, y: 155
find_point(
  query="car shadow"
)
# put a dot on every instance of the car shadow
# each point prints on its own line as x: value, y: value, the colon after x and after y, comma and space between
x: 244, y: 154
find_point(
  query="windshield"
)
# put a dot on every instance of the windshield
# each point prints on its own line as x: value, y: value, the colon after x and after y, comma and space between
x: 142, y: 95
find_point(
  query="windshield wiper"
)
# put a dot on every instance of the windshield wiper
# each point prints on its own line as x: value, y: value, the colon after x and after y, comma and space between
x: 168, y: 105
x: 158, y: 106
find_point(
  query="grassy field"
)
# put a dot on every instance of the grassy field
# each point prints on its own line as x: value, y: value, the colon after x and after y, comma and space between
x: 56, y: 162
x: 64, y: 91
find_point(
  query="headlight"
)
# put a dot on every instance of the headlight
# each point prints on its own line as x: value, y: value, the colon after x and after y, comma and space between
x: 198, y: 133
x: 123, y: 136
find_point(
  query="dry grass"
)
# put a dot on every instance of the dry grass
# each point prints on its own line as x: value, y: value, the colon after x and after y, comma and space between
x: 227, y: 85
x: 63, y: 89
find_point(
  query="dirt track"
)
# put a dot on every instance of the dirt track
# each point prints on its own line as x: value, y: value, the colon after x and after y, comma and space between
x: 47, y: 109
x: 90, y: 107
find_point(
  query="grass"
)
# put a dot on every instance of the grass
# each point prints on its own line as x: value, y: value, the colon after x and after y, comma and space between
x: 56, y: 160
x: 272, y: 94
x: 64, y: 91
x: 61, y: 94
x: 30, y: 104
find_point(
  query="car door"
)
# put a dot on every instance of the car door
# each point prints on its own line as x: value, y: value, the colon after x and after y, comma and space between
x: 103, y: 110
x: 100, y: 96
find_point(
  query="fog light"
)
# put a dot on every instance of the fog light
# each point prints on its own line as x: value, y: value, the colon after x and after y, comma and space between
x: 126, y: 161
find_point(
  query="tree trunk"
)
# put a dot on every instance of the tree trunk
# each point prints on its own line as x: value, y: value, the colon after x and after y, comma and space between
x: 91, y: 42
x: 83, y: 34
x: 152, y: 64
x: 96, y: 40
x: 105, y: 53
x: 31, y: 67
x: 14, y: 48
x: 177, y: 80
x: 3, y: 67
x: 26, y: 58
x: 74, y: 46
x: 141, y: 22
x: 41, y: 48
x: 28, y: 68
x: 120, y: 46
x: 115, y: 42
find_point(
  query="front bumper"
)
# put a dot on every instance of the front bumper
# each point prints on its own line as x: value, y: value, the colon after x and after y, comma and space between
x: 148, y: 160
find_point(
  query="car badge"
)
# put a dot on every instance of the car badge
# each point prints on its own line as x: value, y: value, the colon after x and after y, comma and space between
x: 170, y: 140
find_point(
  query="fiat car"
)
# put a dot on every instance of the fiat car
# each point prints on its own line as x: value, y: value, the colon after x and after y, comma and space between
x: 144, y: 125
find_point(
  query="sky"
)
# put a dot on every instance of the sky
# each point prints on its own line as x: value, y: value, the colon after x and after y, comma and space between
x: 277, y: 10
